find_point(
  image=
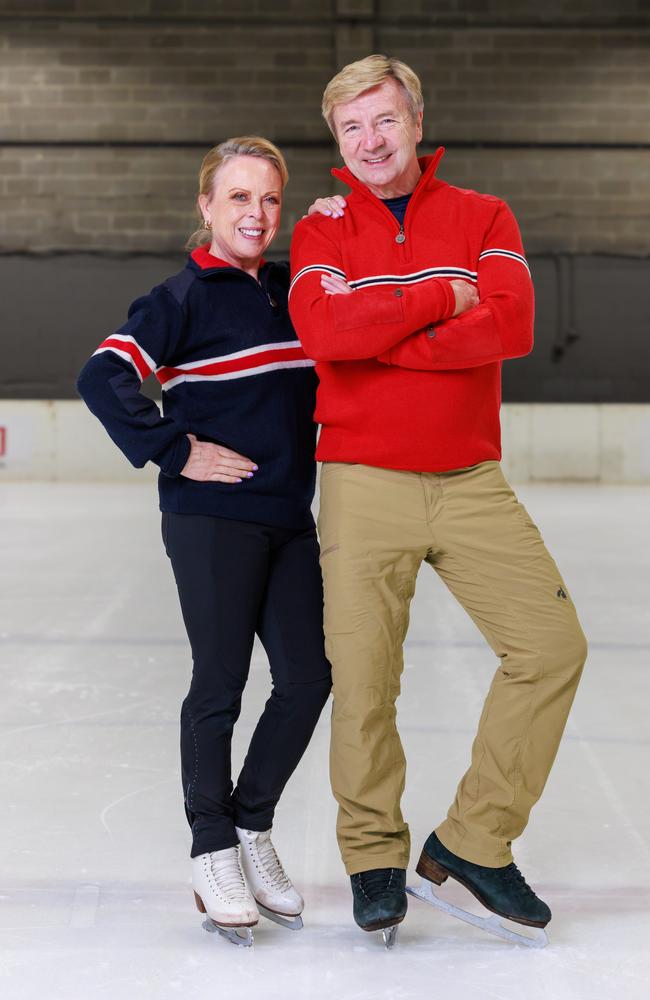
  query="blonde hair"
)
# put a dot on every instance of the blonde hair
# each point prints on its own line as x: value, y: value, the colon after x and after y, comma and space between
x: 241, y: 145
x: 357, y: 77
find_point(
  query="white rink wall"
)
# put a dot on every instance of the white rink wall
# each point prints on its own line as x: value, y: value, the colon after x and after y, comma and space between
x: 59, y: 440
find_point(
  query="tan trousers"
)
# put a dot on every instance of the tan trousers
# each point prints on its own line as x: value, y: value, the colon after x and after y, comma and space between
x: 376, y: 527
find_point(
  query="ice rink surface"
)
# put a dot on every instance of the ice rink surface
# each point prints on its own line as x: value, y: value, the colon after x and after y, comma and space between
x: 95, y: 897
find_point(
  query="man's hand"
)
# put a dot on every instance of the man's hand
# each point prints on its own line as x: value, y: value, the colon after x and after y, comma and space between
x: 212, y: 463
x: 333, y: 285
x: 466, y: 296
x: 334, y: 206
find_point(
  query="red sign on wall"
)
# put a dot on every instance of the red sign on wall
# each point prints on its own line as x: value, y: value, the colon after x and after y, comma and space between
x: 3, y: 441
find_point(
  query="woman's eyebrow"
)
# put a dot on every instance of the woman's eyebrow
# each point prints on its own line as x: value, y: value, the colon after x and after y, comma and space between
x: 246, y: 190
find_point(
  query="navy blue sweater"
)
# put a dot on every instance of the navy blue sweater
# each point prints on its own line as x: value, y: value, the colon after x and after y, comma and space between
x: 232, y: 372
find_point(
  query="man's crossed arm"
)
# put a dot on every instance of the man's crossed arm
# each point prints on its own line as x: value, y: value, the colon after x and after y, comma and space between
x: 430, y: 323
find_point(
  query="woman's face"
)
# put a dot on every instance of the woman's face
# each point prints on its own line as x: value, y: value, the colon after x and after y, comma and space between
x: 243, y: 209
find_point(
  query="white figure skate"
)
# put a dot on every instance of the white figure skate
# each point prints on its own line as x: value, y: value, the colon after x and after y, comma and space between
x: 272, y: 889
x: 220, y: 891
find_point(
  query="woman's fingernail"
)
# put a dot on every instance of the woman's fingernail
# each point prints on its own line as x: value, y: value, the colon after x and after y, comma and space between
x: 250, y: 475
x: 255, y: 468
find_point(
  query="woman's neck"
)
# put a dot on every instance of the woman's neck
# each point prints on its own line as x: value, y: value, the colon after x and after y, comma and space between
x: 250, y: 266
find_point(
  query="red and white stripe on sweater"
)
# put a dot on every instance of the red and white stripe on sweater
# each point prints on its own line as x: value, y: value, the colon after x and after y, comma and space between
x: 402, y: 384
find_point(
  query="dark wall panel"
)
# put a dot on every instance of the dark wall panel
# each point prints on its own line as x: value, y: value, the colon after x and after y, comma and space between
x: 592, y: 324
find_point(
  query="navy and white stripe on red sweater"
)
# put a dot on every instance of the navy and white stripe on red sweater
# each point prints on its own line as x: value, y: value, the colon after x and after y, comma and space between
x: 232, y: 372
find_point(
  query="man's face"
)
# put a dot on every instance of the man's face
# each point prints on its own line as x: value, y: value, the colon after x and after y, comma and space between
x: 378, y: 139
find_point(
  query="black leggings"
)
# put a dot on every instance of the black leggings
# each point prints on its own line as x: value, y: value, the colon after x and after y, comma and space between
x: 235, y: 579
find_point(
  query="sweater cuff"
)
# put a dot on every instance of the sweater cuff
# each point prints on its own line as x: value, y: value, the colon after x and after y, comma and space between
x: 173, y: 458
x: 428, y: 302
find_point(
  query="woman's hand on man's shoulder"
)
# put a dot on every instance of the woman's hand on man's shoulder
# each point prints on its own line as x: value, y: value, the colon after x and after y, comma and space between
x: 333, y: 206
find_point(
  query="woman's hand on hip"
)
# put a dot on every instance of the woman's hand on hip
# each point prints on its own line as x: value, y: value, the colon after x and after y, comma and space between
x: 213, y: 463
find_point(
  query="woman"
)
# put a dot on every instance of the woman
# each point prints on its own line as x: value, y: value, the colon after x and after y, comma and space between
x: 235, y: 449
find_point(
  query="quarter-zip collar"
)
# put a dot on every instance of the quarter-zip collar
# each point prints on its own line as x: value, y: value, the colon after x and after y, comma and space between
x: 427, y: 181
x: 207, y: 262
x: 428, y: 166
x: 267, y: 284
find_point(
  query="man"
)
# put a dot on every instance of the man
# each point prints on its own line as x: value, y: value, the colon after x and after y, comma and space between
x: 409, y: 303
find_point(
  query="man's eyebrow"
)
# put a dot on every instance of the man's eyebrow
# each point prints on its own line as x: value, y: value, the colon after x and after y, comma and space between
x: 389, y: 113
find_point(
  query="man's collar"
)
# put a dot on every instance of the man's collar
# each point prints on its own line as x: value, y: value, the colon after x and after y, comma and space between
x: 428, y: 167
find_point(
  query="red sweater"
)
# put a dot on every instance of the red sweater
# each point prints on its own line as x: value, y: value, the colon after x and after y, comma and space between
x: 402, y: 385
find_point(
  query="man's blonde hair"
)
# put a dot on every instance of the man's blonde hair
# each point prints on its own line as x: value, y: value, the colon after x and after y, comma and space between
x: 357, y: 77
x: 240, y: 145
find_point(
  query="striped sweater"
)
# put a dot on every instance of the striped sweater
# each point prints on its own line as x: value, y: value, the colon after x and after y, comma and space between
x: 402, y: 385
x: 232, y: 372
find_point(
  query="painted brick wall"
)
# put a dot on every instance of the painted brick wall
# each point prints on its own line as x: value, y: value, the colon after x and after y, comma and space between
x: 524, y: 83
x: 107, y: 106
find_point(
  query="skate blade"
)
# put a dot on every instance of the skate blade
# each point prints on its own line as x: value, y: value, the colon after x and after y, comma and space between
x: 242, y: 937
x: 536, y: 938
x: 291, y: 923
x: 389, y: 935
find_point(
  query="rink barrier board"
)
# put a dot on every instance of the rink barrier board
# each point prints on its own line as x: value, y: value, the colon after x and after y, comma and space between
x: 59, y: 440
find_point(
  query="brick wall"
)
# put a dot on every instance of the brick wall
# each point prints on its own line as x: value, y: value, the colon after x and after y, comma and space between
x: 106, y: 108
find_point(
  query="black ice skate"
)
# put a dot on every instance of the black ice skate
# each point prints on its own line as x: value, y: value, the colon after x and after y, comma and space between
x: 380, y: 901
x: 504, y: 891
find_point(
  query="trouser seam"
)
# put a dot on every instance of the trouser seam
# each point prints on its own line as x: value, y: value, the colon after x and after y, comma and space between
x: 190, y: 796
x: 516, y: 769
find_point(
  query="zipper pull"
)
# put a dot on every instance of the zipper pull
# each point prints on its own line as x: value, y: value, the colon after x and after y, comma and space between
x: 400, y: 238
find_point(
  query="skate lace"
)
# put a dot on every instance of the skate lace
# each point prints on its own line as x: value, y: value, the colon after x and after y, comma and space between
x: 272, y: 866
x: 227, y: 874
x: 512, y: 876
x: 374, y: 883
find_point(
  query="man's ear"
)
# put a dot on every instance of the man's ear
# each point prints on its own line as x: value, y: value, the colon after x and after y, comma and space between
x: 418, y: 126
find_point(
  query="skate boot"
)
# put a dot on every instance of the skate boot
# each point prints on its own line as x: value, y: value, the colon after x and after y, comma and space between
x: 504, y: 891
x: 380, y: 901
x: 220, y: 891
x: 274, y: 893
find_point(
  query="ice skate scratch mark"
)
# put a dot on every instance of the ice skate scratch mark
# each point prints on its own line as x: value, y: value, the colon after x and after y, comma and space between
x: 610, y: 793
x: 482, y: 991
x: 10, y: 731
x: 84, y: 906
x: 129, y: 795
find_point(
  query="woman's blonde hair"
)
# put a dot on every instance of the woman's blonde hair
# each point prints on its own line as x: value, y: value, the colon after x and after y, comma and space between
x: 357, y: 77
x: 241, y: 145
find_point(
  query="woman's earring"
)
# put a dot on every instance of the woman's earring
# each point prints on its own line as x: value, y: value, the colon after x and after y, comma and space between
x: 207, y: 224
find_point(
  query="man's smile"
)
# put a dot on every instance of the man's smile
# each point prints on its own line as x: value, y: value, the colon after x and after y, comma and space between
x: 377, y: 159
